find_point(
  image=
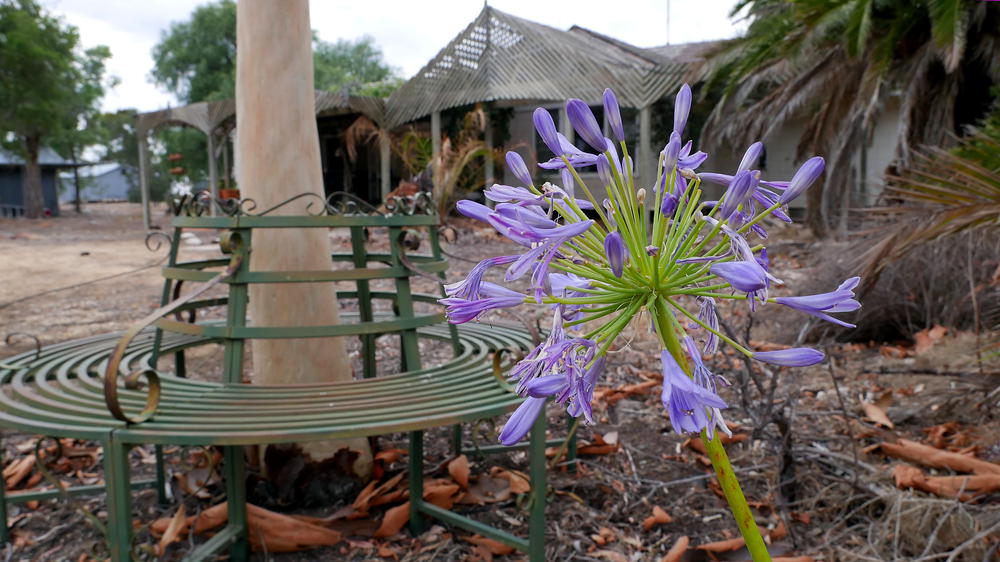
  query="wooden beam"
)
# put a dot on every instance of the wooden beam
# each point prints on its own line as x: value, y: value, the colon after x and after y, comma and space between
x: 144, y: 179
x: 647, y: 161
x: 435, y: 136
x: 213, y: 173
x: 385, y: 168
x: 490, y: 173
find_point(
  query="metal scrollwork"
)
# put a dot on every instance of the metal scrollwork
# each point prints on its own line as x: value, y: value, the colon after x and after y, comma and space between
x: 498, y: 364
x: 337, y: 203
x: 131, y: 379
x: 155, y: 239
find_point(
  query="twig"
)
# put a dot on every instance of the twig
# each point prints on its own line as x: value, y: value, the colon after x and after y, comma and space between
x: 847, y: 417
x: 944, y: 518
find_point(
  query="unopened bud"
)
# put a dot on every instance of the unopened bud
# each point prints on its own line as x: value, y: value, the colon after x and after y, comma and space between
x: 652, y: 250
x: 641, y: 195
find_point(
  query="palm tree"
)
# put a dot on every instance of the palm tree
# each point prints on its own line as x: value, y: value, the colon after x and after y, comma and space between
x: 839, y: 62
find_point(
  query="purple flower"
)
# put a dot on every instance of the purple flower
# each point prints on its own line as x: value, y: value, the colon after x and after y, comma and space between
x: 708, y: 316
x: 719, y: 179
x: 613, y: 115
x: 499, y: 193
x: 669, y: 204
x: 808, y: 173
x: 682, y: 107
x: 492, y: 297
x: 604, y: 170
x: 744, y: 276
x: 474, y: 210
x: 750, y: 156
x: 687, y: 403
x: 532, y: 216
x: 737, y: 194
x: 547, y: 130
x: 671, y: 152
x: 794, y: 357
x: 567, y: 285
x: 584, y: 395
x: 567, y: 182
x: 577, y: 158
x: 521, y: 420
x: 517, y: 167
x: 585, y: 124
x: 616, y: 251
x: 468, y: 288
x: 822, y: 305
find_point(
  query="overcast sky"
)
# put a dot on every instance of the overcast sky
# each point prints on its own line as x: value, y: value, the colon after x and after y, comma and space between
x: 409, y: 33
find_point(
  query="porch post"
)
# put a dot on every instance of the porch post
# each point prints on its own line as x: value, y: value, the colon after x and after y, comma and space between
x: 435, y: 136
x: 488, y: 138
x: 213, y: 174
x: 384, y: 169
x: 647, y: 163
x: 565, y: 127
x: 144, y: 178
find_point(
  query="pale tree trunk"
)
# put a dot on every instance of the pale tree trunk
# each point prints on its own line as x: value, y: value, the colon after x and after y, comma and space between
x: 277, y: 157
x: 31, y: 183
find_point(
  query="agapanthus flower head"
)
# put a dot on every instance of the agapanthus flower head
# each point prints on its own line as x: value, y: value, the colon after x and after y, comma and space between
x: 597, y: 274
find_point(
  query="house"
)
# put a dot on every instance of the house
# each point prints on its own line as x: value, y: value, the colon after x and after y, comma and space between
x: 11, y: 180
x: 100, y: 183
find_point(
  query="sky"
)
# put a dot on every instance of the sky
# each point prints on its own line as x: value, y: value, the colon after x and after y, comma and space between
x: 409, y: 33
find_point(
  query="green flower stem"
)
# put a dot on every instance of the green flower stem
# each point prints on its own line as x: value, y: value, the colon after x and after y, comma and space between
x: 763, y: 214
x: 734, y: 496
x: 716, y: 452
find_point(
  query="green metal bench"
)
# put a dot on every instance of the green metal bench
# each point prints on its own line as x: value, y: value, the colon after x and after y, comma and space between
x: 108, y: 389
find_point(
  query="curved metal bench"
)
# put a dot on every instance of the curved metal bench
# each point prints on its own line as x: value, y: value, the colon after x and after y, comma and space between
x: 108, y: 388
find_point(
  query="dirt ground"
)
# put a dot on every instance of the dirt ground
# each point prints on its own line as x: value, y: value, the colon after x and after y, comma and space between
x: 805, y: 446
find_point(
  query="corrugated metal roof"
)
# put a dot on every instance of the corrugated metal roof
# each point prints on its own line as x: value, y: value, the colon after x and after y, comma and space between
x: 46, y: 157
x: 503, y: 57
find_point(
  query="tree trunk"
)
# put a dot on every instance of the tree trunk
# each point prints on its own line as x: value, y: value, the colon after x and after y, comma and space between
x: 277, y: 157
x: 76, y: 180
x: 31, y: 183
x: 815, y: 212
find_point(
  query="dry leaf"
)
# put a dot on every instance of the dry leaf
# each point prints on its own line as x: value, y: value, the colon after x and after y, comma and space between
x: 387, y: 552
x: 17, y: 470
x: 936, y: 458
x: 778, y: 532
x: 658, y: 517
x: 390, y: 456
x: 677, y: 551
x: 793, y: 559
x: 969, y: 487
x: 458, y: 468
x: 876, y: 415
x: 495, y: 547
x: 723, y: 546
x: 519, y: 482
x: 393, y: 521
x: 441, y: 495
x: 487, y: 489
x: 174, y: 532
x: 925, y: 339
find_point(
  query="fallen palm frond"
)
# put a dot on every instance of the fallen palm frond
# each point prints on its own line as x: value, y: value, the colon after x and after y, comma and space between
x: 940, y: 194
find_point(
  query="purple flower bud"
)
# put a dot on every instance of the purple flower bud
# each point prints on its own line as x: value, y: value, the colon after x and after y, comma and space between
x: 652, y: 250
x: 585, y: 124
x: 669, y: 205
x: 712, y: 177
x: 794, y: 357
x: 543, y: 387
x: 682, y: 107
x: 568, y: 185
x: 750, y: 156
x: 474, y: 210
x: 613, y: 115
x: 546, y: 128
x: 517, y: 167
x: 737, y: 193
x: 686, y: 402
x: 670, y: 152
x: 604, y: 169
x: 616, y: 251
x: 521, y: 420
x: 808, y: 173
x: 745, y: 276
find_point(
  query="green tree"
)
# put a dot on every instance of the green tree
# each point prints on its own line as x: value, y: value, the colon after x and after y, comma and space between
x: 48, y: 88
x: 117, y: 141
x: 195, y: 60
x: 840, y: 63
x: 356, y: 66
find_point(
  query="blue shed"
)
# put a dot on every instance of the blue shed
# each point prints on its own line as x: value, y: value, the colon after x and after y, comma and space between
x: 11, y: 172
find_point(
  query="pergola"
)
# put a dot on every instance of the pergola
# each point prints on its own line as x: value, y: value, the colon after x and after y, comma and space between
x: 213, y: 118
x: 498, y: 58
x: 508, y: 60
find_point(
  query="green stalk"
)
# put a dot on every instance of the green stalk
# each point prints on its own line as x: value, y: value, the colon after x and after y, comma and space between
x: 716, y: 452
